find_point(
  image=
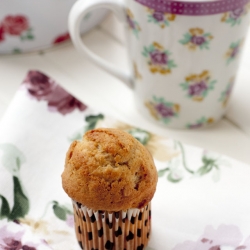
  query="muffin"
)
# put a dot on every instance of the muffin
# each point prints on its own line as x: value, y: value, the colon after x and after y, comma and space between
x: 111, y: 179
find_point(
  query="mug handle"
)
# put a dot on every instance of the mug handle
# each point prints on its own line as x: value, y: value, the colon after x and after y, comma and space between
x: 78, y: 11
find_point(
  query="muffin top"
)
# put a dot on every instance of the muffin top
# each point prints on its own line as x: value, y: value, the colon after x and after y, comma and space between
x: 109, y: 170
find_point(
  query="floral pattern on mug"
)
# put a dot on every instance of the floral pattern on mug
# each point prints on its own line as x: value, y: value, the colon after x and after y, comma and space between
x: 203, y: 121
x: 158, y: 59
x: 196, y: 38
x: 234, y: 50
x: 160, y: 18
x: 198, y: 86
x: 136, y: 72
x: 226, y: 93
x: 61, y: 38
x: 235, y: 16
x: 133, y: 24
x: 162, y: 110
x: 17, y: 25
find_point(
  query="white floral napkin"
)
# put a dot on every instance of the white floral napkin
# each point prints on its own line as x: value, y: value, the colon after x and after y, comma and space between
x: 201, y: 202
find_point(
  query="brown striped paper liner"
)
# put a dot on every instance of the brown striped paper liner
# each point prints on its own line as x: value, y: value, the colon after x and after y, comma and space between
x: 121, y: 230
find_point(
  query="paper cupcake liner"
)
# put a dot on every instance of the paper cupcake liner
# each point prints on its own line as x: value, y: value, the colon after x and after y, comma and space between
x: 99, y: 230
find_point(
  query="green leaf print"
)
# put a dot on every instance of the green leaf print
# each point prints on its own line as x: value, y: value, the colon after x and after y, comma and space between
x: 16, y: 51
x: 141, y: 135
x: 162, y: 172
x: 21, y: 202
x: 5, y: 208
x: 92, y: 121
x: 12, y: 158
x: 173, y: 179
x: 211, y: 162
x: 59, y: 212
x: 204, y: 170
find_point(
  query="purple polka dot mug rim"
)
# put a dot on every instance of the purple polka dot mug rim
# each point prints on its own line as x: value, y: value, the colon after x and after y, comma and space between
x: 194, y: 8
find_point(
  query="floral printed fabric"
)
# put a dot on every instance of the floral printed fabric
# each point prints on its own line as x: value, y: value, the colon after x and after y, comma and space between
x: 14, y: 236
x: 36, y: 214
x: 40, y: 87
x: 227, y: 236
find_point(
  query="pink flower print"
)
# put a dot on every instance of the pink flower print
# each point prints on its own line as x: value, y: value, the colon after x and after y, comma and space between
x: 158, y: 16
x: 158, y: 57
x: 64, y: 103
x: 246, y: 244
x: 10, y: 240
x: 1, y: 34
x: 197, y: 88
x: 39, y: 85
x: 62, y: 38
x: 70, y: 220
x: 212, y: 239
x: 198, y: 40
x: 15, y: 25
x: 164, y: 111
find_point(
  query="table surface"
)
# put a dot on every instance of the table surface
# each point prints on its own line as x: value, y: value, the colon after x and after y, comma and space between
x: 98, y: 89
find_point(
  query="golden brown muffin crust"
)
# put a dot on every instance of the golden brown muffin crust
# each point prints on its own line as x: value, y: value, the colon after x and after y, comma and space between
x: 109, y: 170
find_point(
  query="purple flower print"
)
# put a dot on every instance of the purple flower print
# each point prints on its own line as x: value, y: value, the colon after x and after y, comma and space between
x: 235, y: 51
x: 12, y: 240
x: 164, y: 111
x: 197, y: 88
x: 38, y: 85
x: 42, y: 87
x: 194, y: 126
x: 158, y: 57
x: 198, y: 40
x: 236, y: 13
x: 61, y: 101
x: 213, y: 239
x: 130, y: 22
x: 158, y: 16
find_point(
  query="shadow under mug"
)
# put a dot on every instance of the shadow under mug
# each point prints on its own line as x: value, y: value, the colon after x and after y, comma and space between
x: 184, y: 55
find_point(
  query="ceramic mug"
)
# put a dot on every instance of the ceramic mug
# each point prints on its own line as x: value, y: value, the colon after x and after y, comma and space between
x: 185, y: 55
